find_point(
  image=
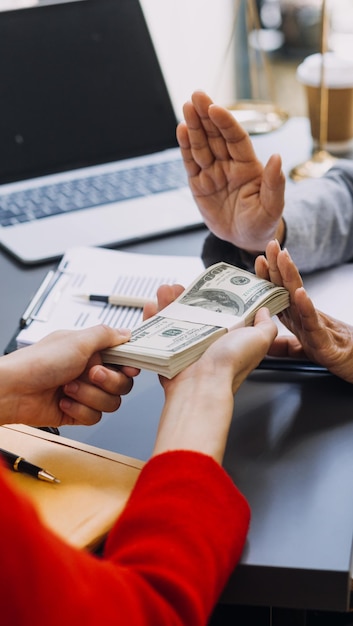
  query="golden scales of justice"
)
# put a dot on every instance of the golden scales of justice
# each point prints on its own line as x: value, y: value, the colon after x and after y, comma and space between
x: 259, y: 116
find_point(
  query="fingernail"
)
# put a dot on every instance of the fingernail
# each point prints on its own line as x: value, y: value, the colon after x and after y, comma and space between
x: 72, y: 387
x: 125, y: 332
x: 65, y: 404
x: 99, y: 375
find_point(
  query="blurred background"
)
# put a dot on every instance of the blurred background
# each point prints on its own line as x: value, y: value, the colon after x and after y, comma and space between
x: 290, y: 30
x: 206, y: 44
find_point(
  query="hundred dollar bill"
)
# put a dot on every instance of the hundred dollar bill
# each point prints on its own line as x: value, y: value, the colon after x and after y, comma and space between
x: 223, y: 297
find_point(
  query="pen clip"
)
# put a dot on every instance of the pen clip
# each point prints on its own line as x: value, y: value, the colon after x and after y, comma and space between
x: 39, y: 298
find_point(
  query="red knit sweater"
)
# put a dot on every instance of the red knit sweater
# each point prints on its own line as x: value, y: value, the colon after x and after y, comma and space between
x: 166, y: 560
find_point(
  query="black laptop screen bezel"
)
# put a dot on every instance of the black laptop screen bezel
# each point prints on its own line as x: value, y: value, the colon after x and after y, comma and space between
x: 80, y: 84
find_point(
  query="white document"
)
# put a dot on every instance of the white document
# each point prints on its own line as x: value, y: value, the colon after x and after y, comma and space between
x: 90, y: 270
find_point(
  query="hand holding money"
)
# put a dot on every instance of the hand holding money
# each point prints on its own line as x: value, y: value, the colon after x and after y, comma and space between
x: 221, y: 298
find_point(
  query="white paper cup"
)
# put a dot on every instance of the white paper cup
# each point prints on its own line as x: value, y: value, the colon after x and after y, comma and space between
x: 338, y: 79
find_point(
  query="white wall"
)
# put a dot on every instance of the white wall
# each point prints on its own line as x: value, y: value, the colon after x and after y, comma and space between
x: 193, y: 39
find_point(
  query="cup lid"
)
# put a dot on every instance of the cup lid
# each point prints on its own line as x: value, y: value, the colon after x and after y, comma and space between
x: 338, y: 71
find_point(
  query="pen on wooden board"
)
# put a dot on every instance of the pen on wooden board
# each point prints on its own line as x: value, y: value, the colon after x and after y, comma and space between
x: 18, y: 464
x: 136, y: 302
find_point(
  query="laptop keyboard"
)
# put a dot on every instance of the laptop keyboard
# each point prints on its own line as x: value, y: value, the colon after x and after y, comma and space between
x: 83, y: 193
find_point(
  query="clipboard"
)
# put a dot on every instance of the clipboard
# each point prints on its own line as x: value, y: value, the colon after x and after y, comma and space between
x: 55, y: 305
x: 34, y: 307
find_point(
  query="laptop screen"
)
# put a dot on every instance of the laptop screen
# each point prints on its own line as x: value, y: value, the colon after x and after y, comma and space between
x: 80, y: 84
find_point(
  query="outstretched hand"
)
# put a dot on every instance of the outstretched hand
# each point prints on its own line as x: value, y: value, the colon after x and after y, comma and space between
x: 317, y: 336
x: 61, y: 379
x: 200, y: 399
x: 240, y: 200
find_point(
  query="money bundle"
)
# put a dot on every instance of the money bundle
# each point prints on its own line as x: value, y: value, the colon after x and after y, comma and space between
x: 223, y: 297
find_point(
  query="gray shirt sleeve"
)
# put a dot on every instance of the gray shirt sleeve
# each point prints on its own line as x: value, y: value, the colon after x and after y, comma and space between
x: 319, y: 222
x: 319, y: 218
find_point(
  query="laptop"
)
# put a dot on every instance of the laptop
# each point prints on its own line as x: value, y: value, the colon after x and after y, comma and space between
x: 88, y: 152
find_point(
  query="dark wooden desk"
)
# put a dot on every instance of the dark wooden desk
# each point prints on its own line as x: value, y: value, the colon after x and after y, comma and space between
x: 290, y: 448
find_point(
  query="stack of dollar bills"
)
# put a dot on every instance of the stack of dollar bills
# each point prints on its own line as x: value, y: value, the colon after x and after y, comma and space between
x: 223, y: 297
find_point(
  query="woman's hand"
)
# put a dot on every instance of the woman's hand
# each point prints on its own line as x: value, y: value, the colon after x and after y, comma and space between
x: 200, y: 399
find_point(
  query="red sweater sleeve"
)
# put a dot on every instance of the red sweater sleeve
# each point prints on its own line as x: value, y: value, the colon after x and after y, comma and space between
x: 166, y: 560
